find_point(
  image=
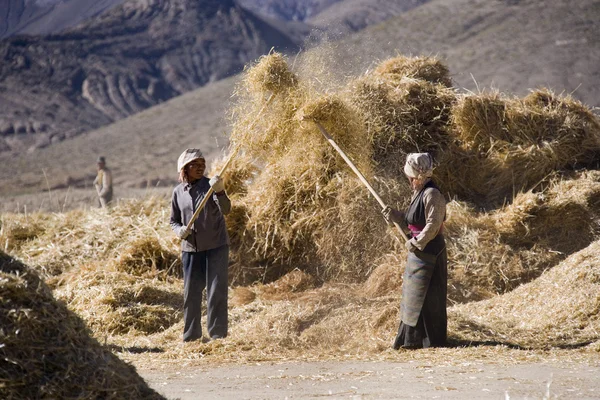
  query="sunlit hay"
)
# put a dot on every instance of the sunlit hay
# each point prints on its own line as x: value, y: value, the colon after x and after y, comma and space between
x: 147, y: 255
x: 117, y: 303
x: 516, y: 144
x: 240, y: 296
x: 563, y: 218
x: 47, y: 350
x: 263, y: 125
x: 481, y: 263
x: 292, y: 282
x: 352, y: 235
x: 428, y: 69
x: 132, y: 231
x: 264, y: 129
x: 238, y: 174
x: 270, y: 74
x: 386, y: 279
x: 402, y: 116
x: 17, y: 229
x: 343, y: 123
x: 560, y: 308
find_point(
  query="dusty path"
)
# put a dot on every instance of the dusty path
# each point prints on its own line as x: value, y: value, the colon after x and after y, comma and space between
x: 378, y: 380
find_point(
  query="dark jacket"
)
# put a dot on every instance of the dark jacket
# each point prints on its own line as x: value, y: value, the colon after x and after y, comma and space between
x: 209, y: 230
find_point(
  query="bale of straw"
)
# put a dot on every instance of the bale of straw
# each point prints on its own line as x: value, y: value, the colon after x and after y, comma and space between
x: 48, y: 351
x: 559, y: 309
x: 343, y: 123
x: 428, y: 69
x: 481, y: 263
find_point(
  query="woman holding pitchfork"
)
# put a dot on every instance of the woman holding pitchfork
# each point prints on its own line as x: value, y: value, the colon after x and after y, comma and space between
x: 204, y: 245
x: 424, y: 288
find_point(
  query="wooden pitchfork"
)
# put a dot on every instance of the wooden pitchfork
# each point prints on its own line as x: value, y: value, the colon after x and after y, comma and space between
x: 422, y: 255
x: 236, y: 149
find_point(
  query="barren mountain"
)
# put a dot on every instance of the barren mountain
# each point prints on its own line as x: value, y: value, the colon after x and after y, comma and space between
x: 134, y: 56
x: 512, y: 45
x: 34, y: 17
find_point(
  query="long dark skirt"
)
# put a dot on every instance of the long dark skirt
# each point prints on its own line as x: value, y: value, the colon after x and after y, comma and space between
x: 430, y: 328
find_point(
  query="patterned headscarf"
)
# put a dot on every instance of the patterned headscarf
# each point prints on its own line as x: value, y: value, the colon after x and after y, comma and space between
x: 419, y: 165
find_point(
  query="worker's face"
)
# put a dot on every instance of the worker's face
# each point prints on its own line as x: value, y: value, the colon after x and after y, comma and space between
x: 415, y: 183
x: 195, y: 169
x: 100, y: 165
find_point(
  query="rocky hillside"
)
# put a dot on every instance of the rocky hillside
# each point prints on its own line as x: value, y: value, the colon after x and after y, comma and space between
x: 134, y: 56
x: 35, y: 17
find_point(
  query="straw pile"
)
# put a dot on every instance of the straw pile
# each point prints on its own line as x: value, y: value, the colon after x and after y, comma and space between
x: 406, y: 104
x: 326, y: 270
x: 47, y: 350
x: 510, y: 145
x: 119, y: 303
x: 559, y: 309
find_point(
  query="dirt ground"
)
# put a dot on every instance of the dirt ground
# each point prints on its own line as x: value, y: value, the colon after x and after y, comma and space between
x: 416, y: 379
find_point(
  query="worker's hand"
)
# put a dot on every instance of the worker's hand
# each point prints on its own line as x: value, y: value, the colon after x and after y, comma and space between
x: 392, y: 215
x: 217, y: 184
x: 184, y: 232
x: 411, y: 245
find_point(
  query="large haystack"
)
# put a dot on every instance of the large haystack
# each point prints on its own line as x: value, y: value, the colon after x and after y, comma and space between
x: 406, y: 109
x: 559, y: 309
x: 47, y: 350
x: 510, y: 145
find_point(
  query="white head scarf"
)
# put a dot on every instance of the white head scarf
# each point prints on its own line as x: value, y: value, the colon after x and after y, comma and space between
x: 419, y: 165
x: 187, y: 157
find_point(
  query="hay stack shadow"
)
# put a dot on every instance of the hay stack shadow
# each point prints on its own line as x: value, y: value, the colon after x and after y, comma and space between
x: 49, y: 351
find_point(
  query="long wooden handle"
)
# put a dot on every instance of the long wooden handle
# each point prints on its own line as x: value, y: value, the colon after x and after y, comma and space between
x: 358, y: 173
x: 224, y: 167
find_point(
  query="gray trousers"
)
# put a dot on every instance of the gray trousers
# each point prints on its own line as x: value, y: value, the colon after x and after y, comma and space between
x: 205, y: 269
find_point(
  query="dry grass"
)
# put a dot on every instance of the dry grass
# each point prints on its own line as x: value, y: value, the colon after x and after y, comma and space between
x: 516, y: 144
x: 559, y: 309
x: 317, y: 273
x: 47, y: 350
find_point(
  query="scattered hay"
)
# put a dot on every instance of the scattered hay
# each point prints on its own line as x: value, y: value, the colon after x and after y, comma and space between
x: 240, y: 296
x: 559, y: 309
x: 386, y: 279
x: 292, y: 282
x: 147, y: 255
x: 118, y: 303
x: 47, y: 350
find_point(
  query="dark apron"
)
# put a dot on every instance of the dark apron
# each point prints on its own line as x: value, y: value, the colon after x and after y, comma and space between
x: 416, y: 279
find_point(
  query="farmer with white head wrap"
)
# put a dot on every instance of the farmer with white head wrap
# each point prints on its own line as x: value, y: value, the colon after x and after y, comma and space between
x: 204, y: 247
x: 424, y: 289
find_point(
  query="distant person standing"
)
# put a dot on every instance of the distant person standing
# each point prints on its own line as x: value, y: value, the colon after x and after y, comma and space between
x: 204, y: 247
x: 103, y: 183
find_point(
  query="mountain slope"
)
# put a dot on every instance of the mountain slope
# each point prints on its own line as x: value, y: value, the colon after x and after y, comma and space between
x: 134, y: 56
x: 514, y: 45
x: 35, y: 17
